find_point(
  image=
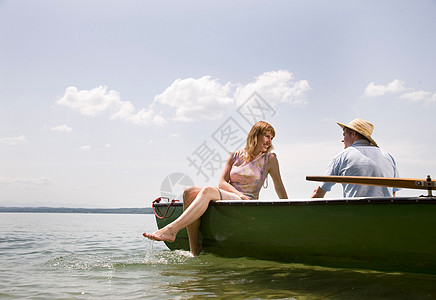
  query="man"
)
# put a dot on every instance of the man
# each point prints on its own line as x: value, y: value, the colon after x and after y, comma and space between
x: 361, y: 157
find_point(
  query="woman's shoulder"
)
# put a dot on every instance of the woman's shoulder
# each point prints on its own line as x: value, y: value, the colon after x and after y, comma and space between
x: 271, y: 155
x: 238, y: 154
x: 271, y: 158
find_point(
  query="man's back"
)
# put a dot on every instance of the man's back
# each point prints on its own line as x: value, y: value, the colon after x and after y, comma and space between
x: 361, y: 159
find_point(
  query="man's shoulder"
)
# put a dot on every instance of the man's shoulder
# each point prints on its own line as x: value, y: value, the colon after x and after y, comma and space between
x: 348, y: 152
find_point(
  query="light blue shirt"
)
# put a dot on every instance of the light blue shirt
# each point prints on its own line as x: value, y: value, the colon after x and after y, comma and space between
x: 361, y: 159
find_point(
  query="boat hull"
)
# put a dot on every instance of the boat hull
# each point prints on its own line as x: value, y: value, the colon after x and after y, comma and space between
x: 386, y: 234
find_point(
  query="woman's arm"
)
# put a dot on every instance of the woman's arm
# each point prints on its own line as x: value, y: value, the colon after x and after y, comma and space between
x: 225, y: 179
x: 274, y: 170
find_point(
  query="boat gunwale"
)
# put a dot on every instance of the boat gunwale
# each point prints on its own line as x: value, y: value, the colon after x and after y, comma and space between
x: 315, y: 201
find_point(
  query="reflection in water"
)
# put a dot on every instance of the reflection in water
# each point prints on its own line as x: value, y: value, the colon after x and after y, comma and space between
x: 67, y: 256
x: 242, y: 278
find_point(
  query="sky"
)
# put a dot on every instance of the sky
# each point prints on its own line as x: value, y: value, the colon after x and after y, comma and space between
x: 115, y: 103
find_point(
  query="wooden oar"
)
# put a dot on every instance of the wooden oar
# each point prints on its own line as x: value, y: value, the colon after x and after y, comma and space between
x: 407, y: 183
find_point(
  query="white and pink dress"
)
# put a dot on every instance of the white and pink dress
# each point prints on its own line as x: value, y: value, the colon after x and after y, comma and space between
x: 247, y: 177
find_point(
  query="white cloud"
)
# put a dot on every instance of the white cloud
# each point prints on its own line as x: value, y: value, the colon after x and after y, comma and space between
x: 146, y: 116
x: 420, y: 96
x: 126, y: 109
x: 197, y: 99
x: 374, y: 90
x: 193, y: 99
x: 62, y: 128
x: 275, y: 87
x: 25, y: 182
x: 85, y: 148
x: 397, y: 86
x: 207, y: 99
x: 99, y: 100
x: 90, y: 102
x: 12, y: 141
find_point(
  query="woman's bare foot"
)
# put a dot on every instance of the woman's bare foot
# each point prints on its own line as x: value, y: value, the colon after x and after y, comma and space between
x: 195, y: 251
x: 164, y: 234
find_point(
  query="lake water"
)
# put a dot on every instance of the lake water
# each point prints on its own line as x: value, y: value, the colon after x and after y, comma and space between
x: 95, y: 256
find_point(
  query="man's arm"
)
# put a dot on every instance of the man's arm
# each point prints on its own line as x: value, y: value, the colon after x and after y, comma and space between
x: 318, y: 193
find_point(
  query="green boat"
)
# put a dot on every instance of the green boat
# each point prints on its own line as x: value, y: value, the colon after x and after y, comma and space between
x: 385, y: 234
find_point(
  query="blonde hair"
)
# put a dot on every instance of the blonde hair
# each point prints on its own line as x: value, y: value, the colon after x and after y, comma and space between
x: 260, y: 127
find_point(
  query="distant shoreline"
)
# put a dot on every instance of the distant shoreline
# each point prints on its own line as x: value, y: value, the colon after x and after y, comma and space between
x: 145, y: 210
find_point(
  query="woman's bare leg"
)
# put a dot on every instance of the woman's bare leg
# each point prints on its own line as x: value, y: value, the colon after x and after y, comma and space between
x: 193, y: 229
x: 191, y: 214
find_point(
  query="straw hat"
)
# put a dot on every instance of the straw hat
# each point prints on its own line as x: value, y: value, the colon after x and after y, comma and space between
x: 361, y: 126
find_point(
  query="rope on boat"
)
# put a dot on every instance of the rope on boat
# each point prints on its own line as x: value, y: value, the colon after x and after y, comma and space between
x: 157, y: 200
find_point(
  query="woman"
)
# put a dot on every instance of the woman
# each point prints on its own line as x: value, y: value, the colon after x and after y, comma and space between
x: 242, y: 178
